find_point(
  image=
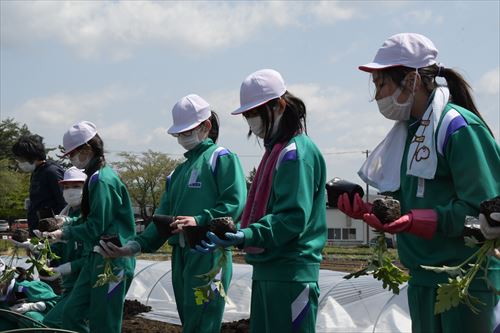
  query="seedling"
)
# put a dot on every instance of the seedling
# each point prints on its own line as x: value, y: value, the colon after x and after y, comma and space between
x: 108, y: 276
x: 382, y: 268
x: 213, y: 286
x: 456, y: 291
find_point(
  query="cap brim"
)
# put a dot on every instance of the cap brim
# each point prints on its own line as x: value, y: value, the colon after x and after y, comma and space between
x: 180, y: 129
x: 373, y: 66
x: 248, y: 107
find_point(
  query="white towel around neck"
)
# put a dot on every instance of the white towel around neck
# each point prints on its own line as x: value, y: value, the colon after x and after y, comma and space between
x: 382, y: 168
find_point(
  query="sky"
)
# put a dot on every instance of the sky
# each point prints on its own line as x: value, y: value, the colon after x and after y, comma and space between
x: 124, y: 64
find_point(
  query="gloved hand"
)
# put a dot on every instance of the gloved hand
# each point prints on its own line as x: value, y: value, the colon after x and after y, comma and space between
x: 25, y: 307
x: 232, y: 238
x: 27, y: 245
x: 58, y: 271
x: 358, y: 209
x: 52, y: 236
x: 420, y: 222
x: 488, y: 231
x: 205, y: 247
x: 110, y: 250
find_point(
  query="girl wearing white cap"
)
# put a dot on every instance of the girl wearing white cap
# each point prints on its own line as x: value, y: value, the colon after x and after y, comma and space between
x: 440, y: 161
x: 71, y: 251
x: 209, y: 184
x: 105, y: 210
x: 283, y: 227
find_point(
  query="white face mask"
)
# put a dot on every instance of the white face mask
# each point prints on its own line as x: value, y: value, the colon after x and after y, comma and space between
x: 73, y: 196
x: 26, y: 166
x: 75, y: 160
x: 191, y: 141
x: 391, y: 109
x: 256, y: 126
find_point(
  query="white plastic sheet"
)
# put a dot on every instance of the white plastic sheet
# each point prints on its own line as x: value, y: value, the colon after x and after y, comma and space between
x: 355, y: 305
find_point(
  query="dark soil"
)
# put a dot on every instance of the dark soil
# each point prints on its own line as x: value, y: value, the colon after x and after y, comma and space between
x: 162, y: 223
x: 387, y: 210
x: 48, y: 224
x: 489, y: 206
x: 20, y: 235
x: 220, y: 225
x: 195, y: 234
x: 112, y: 238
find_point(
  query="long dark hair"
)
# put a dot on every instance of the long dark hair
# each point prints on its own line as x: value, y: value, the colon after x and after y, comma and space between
x: 214, y: 131
x: 97, y: 162
x: 460, y: 90
x: 292, y: 122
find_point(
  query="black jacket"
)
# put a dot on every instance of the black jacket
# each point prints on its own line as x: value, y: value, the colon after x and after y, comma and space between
x: 45, y: 191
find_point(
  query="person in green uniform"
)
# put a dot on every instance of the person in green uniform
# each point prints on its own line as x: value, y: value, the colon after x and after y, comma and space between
x: 440, y: 160
x: 283, y: 227
x: 106, y: 210
x: 33, y: 299
x: 70, y: 252
x: 210, y: 183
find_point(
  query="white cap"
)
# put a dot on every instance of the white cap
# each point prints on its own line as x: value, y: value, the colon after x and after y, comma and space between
x: 260, y: 87
x: 404, y: 49
x: 77, y: 135
x: 188, y: 113
x: 73, y: 174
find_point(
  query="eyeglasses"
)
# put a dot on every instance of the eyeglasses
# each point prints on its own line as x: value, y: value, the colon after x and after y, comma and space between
x: 252, y: 112
x: 186, y: 133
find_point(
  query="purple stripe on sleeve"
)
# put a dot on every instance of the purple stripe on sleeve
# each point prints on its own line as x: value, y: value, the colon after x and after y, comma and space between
x: 290, y: 156
x: 455, y: 125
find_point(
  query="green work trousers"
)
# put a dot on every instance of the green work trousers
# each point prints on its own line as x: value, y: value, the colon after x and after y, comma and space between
x: 283, y: 306
x: 101, y: 306
x: 421, y: 301
x: 186, y: 265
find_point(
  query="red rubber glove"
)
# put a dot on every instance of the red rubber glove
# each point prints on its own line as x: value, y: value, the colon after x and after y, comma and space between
x: 419, y: 222
x: 358, y: 209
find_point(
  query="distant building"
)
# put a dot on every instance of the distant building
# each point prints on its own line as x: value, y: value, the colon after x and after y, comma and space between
x: 343, y: 230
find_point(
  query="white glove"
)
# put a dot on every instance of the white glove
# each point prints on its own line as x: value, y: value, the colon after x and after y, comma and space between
x: 27, y: 245
x: 53, y: 236
x: 488, y: 231
x: 58, y: 271
x: 110, y: 250
x: 25, y: 307
x: 24, y: 245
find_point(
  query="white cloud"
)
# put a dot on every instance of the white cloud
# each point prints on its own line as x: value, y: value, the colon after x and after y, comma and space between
x: 489, y: 82
x: 331, y: 12
x: 117, y: 28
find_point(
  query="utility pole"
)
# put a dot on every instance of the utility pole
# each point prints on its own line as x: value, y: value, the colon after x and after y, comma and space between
x: 366, y: 152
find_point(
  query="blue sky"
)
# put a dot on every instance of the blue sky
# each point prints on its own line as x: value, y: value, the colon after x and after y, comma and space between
x: 124, y: 64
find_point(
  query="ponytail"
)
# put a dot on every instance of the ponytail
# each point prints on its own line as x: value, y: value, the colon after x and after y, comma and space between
x: 460, y: 91
x: 214, y: 131
x: 97, y: 147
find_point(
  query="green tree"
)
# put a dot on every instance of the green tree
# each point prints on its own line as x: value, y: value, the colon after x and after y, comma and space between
x: 14, y: 191
x: 10, y: 131
x: 145, y: 176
